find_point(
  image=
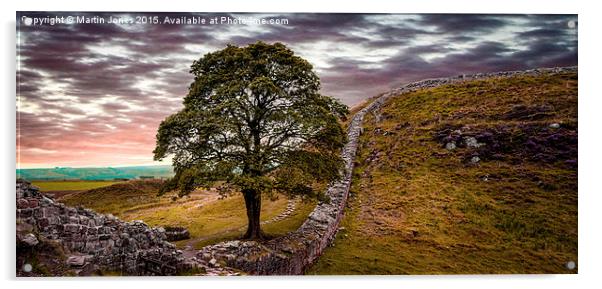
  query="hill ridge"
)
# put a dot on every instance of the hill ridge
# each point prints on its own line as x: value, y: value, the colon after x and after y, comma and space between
x: 490, y: 134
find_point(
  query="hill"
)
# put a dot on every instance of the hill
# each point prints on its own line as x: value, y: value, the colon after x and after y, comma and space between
x: 467, y: 178
x: 116, y: 197
x: 108, y: 173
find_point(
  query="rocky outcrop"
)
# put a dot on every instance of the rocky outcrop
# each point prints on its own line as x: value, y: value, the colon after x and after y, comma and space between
x: 95, y: 241
x: 293, y: 253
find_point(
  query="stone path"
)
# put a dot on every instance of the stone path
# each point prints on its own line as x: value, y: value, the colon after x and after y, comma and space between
x: 290, y: 208
x: 212, y: 268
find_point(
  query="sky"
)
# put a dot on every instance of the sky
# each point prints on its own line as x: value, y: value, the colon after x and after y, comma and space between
x: 94, y: 94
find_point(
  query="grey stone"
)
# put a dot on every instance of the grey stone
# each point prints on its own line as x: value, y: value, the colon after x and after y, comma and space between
x: 450, y: 146
x: 320, y: 216
x: 72, y: 228
x: 22, y: 204
x: 25, y: 213
x: 30, y: 239
x: 47, y: 200
x: 555, y: 125
x: 475, y: 159
x: 76, y: 261
x: 472, y: 142
x: 212, y: 262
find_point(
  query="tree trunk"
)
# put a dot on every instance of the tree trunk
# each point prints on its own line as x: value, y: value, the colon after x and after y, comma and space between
x: 253, y: 204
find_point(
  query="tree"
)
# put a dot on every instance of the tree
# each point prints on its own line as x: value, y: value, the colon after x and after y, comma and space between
x: 254, y: 122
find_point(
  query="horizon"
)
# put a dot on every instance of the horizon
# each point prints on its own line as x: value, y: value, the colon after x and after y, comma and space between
x: 92, y: 95
x: 94, y: 167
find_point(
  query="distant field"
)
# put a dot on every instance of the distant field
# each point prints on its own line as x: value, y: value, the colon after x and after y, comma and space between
x: 94, y: 173
x: 46, y: 186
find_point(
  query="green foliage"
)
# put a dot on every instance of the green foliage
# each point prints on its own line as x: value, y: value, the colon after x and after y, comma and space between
x: 253, y: 117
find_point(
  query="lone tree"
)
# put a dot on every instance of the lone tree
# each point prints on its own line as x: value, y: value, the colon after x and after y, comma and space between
x: 253, y: 122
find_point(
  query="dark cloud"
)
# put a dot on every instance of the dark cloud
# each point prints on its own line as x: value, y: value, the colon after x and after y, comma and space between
x: 102, y: 88
x: 463, y: 23
x: 545, y: 33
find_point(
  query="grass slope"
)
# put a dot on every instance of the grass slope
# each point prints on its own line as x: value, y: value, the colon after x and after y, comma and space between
x: 117, y: 198
x: 208, y: 218
x: 417, y: 207
x: 47, y: 186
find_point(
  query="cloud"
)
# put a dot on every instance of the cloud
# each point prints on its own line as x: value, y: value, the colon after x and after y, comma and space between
x: 94, y: 94
x: 463, y: 23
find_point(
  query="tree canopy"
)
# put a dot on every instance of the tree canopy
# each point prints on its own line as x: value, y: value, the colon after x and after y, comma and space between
x: 253, y: 121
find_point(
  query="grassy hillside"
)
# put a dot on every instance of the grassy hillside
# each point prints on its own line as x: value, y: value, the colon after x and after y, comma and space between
x: 208, y: 217
x: 48, y: 186
x: 477, y: 177
x: 117, y: 198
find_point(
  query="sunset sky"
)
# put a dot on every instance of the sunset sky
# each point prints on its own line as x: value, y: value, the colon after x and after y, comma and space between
x: 94, y: 94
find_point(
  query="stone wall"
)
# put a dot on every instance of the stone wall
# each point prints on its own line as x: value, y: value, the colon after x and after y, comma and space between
x: 294, y: 253
x: 94, y: 241
x: 434, y: 82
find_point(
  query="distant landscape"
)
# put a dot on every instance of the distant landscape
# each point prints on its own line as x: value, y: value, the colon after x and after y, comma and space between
x: 98, y: 173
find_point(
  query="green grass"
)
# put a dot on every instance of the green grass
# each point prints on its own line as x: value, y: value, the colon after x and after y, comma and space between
x: 46, y: 186
x: 418, y: 208
x: 233, y: 229
x: 208, y: 218
x: 119, y: 197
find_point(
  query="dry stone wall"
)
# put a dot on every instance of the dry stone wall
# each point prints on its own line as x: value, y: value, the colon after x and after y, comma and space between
x: 95, y: 241
x: 294, y: 253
